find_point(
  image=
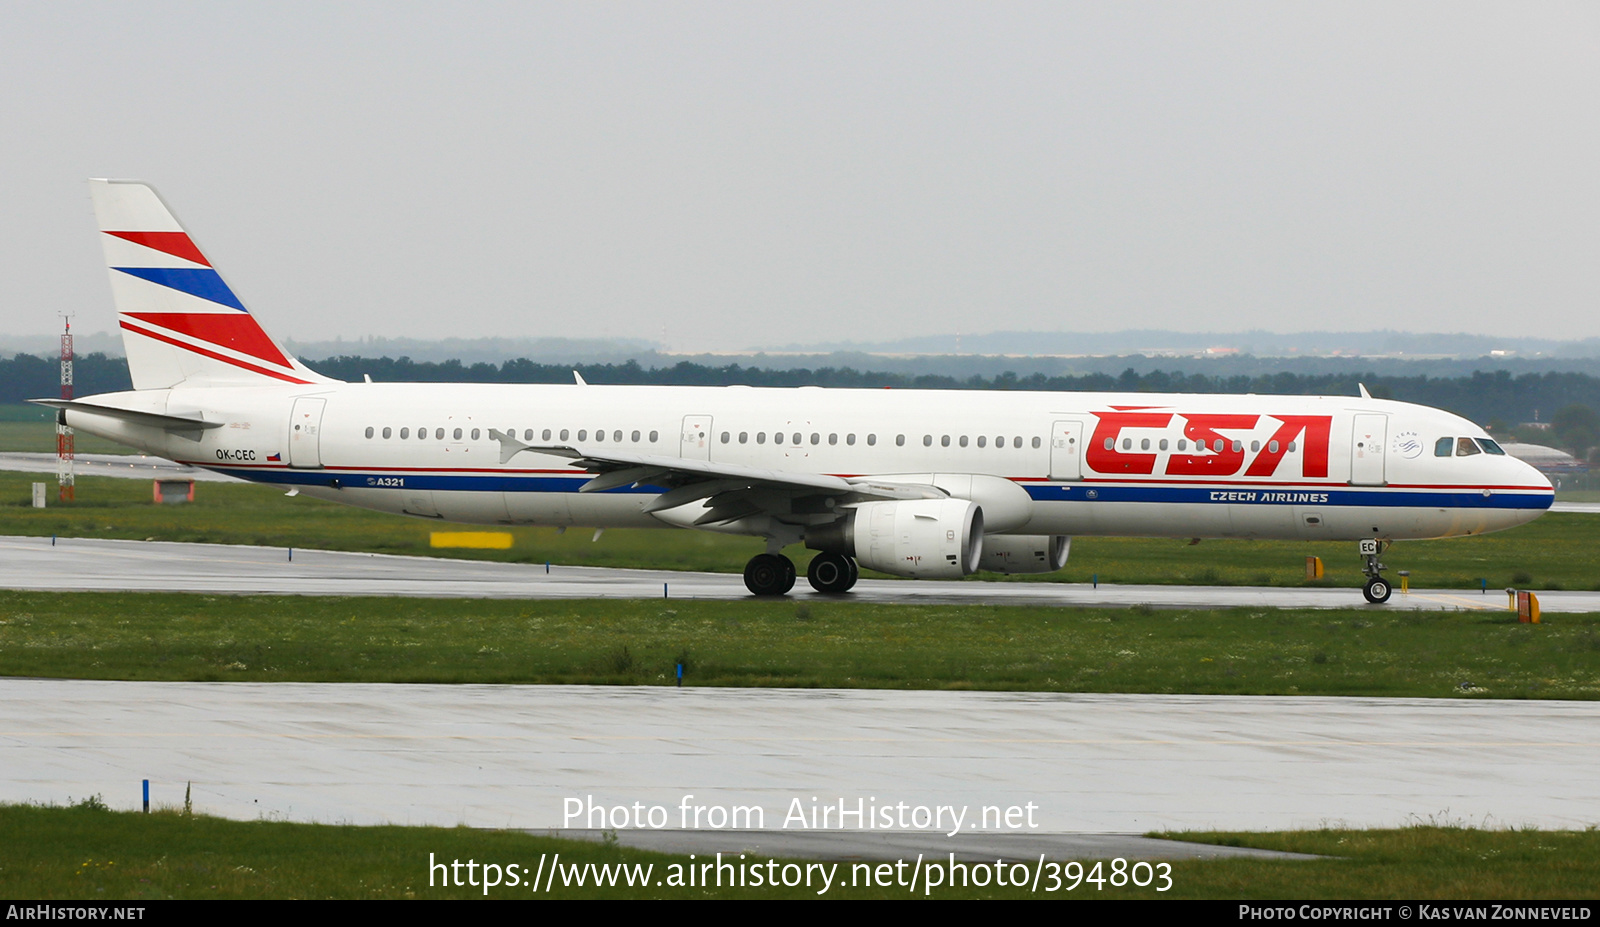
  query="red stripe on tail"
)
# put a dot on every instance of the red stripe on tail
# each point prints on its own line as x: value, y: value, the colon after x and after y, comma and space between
x: 176, y: 244
x: 236, y: 331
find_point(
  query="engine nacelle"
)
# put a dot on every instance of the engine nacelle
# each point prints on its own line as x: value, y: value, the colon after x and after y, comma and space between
x: 919, y: 538
x: 1025, y: 553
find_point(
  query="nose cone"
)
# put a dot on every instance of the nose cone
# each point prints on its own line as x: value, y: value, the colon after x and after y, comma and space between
x: 1539, y: 482
x: 1531, y: 502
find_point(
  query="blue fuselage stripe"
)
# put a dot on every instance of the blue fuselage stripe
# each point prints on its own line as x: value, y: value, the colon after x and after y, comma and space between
x: 1040, y: 492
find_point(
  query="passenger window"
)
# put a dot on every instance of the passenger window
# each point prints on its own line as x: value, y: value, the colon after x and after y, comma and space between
x: 1163, y: 445
x: 816, y: 438
x: 832, y: 439
x: 944, y: 441
x: 777, y: 437
x: 872, y: 440
x: 1127, y: 444
x: 438, y: 434
x: 474, y: 434
x: 635, y: 436
x: 1017, y: 441
x: 457, y: 434
x: 369, y: 431
x: 797, y: 437
x: 850, y: 439
x: 1466, y: 447
x: 744, y: 437
x: 1144, y: 444
x: 761, y: 437
x: 653, y: 435
x: 927, y: 440
x: 1110, y: 444
x: 1183, y: 445
x: 1255, y: 446
x: 583, y: 434
x: 599, y: 434
x: 546, y: 435
x: 1238, y: 447
x: 386, y: 432
x: 405, y: 432
x: 1272, y: 447
x: 564, y: 434
x: 726, y: 437
x: 1036, y: 442
x: 899, y: 441
x: 983, y: 440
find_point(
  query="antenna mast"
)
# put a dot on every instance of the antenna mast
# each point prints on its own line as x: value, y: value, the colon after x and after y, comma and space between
x: 64, y: 450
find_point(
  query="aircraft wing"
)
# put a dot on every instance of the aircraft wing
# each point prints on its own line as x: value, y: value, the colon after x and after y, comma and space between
x: 723, y: 484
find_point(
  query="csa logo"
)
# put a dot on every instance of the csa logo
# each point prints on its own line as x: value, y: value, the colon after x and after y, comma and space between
x: 1408, y: 444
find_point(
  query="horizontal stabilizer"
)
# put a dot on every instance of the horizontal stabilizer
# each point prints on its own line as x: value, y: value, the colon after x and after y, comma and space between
x: 175, y: 423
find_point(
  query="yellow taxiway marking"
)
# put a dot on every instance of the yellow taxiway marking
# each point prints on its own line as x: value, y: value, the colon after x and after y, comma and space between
x: 1462, y: 601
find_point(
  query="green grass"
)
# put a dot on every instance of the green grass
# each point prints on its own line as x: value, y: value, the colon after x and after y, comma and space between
x: 33, y: 429
x: 87, y: 852
x: 167, y: 636
x: 1556, y: 552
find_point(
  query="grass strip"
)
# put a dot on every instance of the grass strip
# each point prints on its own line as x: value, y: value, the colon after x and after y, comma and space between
x: 1239, y: 651
x: 88, y: 852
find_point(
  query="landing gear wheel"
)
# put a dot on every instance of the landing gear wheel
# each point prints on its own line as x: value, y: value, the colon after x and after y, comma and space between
x: 769, y: 574
x: 1377, y: 589
x: 832, y: 573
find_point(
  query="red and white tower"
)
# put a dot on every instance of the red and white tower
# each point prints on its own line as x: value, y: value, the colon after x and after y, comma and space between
x: 64, y: 450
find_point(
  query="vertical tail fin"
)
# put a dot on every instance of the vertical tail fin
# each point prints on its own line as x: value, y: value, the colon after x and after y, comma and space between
x: 181, y: 323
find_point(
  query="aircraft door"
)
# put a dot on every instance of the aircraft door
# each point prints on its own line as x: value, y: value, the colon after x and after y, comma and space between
x: 305, y: 440
x: 696, y: 439
x: 1066, y: 450
x: 1367, y: 440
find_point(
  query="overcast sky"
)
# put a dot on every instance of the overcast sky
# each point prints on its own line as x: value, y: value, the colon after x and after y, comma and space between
x: 721, y: 175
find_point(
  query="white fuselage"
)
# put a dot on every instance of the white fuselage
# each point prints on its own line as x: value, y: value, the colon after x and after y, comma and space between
x: 1328, y: 468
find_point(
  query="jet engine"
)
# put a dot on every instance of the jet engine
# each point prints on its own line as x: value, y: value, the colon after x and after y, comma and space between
x: 1024, y: 553
x: 919, y: 538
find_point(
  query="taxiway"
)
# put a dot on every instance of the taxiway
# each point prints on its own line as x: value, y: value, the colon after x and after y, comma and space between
x: 42, y: 563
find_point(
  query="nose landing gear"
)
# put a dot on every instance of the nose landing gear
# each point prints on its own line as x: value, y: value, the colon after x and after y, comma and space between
x: 1377, y: 590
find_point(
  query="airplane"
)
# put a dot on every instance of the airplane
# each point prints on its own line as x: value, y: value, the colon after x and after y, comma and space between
x: 912, y: 483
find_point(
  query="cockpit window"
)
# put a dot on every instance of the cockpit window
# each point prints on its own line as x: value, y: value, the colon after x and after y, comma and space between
x: 1442, y: 447
x: 1466, y: 447
x: 1490, y: 447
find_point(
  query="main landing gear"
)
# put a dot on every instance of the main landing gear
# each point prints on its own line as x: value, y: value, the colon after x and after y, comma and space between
x: 1377, y: 590
x: 832, y: 573
x: 769, y: 574
x: 773, y: 574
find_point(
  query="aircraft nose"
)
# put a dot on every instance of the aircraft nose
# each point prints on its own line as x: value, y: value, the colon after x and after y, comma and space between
x: 1536, y: 481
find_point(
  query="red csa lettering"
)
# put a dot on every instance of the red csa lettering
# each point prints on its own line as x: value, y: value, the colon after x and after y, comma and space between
x: 1315, y: 460
x: 1225, y: 459
x: 1102, y: 455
